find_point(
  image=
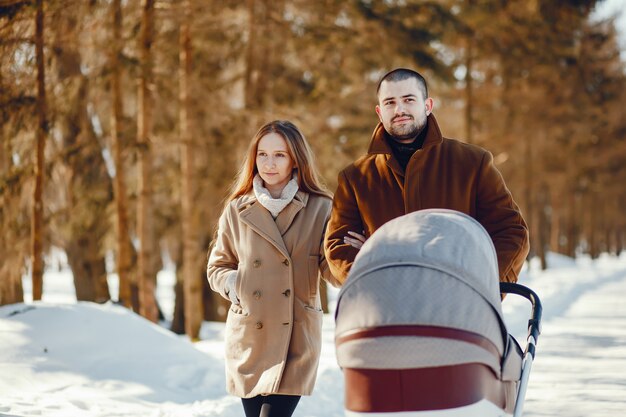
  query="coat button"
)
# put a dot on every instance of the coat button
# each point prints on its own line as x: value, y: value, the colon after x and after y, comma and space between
x: 256, y: 263
x: 257, y: 294
x: 287, y: 292
x: 286, y: 262
x: 258, y: 325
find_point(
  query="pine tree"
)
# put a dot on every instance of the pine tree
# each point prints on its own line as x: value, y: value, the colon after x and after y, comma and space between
x: 121, y: 207
x: 145, y: 231
x: 192, y: 278
x: 40, y: 143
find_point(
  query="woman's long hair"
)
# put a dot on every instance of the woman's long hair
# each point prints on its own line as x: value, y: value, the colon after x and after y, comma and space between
x: 304, y: 162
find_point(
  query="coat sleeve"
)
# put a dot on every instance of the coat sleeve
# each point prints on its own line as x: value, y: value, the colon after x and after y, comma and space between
x: 223, y: 257
x: 324, y: 267
x: 344, y: 217
x: 501, y: 217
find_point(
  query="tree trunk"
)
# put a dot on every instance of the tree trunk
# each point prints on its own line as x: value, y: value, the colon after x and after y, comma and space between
x: 620, y: 229
x: 5, y: 153
x: 192, y: 276
x: 469, y: 93
x: 215, y: 306
x: 122, y: 239
x: 88, y: 268
x: 11, y: 268
x: 251, y: 73
x: 12, y: 252
x: 263, y: 16
x: 178, y: 317
x: 82, y: 227
x: 543, y: 223
x: 572, y: 229
x: 555, y: 224
x: 146, y: 282
x: 590, y: 212
x: 603, y: 222
x: 11, y: 290
x: 42, y: 131
x: 528, y: 195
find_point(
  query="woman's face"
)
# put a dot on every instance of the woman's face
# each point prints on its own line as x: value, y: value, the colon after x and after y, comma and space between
x: 273, y: 162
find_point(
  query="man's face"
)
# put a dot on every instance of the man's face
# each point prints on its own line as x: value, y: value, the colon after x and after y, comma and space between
x: 402, y: 108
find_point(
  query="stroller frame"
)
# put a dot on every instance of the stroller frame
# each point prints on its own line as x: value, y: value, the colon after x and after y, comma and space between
x: 534, y: 330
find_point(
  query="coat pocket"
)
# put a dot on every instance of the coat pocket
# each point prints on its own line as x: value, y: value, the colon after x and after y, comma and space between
x: 314, y: 270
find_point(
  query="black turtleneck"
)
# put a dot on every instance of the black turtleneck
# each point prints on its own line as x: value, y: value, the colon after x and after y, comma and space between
x: 404, y: 151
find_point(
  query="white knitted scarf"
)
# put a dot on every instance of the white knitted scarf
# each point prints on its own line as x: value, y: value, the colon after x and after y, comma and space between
x: 274, y: 205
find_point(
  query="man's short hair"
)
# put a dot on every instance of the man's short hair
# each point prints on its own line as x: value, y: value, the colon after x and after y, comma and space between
x: 401, y: 74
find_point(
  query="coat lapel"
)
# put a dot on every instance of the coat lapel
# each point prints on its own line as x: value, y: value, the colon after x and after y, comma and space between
x: 285, y: 217
x: 398, y: 174
x: 379, y: 146
x: 260, y: 220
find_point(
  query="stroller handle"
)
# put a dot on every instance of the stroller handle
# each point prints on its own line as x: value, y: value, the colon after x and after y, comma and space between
x: 534, y: 324
x: 534, y: 329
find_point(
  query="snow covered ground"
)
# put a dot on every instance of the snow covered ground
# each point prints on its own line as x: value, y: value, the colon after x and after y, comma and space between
x: 62, y: 358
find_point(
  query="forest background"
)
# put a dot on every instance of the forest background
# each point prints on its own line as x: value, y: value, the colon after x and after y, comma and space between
x: 123, y: 123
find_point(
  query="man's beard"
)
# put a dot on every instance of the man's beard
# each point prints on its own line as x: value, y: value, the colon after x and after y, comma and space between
x: 407, y: 131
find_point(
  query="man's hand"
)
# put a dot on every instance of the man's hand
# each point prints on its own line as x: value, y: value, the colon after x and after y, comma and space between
x: 355, y: 240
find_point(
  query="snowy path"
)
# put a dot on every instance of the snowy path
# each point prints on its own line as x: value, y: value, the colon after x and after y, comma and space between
x: 580, y: 369
x: 62, y: 359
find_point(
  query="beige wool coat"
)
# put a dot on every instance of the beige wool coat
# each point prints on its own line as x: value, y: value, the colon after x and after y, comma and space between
x: 273, y: 338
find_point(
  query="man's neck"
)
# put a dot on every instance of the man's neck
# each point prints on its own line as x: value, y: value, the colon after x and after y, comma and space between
x: 404, y: 141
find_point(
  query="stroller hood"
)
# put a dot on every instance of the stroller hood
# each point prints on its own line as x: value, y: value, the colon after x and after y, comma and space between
x: 445, y: 240
x: 432, y: 267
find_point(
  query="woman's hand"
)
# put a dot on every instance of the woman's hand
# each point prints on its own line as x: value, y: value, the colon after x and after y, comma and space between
x: 231, y: 284
x: 355, y: 240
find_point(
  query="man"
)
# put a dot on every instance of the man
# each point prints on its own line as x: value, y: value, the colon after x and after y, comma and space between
x: 410, y: 166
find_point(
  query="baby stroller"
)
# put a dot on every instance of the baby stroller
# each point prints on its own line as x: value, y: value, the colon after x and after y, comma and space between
x: 419, y: 325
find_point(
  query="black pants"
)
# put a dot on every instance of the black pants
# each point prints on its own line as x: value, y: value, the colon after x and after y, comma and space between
x: 270, y: 405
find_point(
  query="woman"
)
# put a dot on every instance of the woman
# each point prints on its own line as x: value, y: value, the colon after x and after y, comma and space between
x: 267, y: 260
